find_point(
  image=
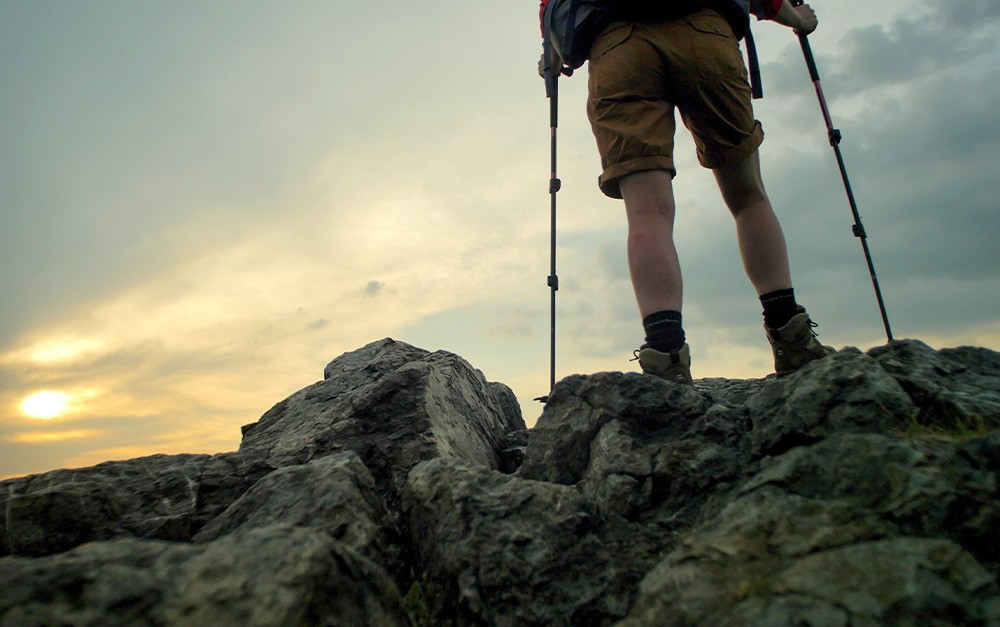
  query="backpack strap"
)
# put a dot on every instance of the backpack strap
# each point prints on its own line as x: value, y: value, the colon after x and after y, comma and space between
x: 756, y: 91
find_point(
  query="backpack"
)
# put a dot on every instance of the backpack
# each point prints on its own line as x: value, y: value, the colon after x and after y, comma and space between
x: 569, y: 28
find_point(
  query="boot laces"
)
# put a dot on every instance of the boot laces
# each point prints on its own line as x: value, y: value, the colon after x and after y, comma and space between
x: 635, y: 353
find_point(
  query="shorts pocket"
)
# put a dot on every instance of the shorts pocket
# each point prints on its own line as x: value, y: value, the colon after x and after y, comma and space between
x: 614, y: 35
x: 711, y: 23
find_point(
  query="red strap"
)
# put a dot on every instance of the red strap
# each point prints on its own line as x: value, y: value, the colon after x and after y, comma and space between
x: 771, y: 7
x: 541, y: 15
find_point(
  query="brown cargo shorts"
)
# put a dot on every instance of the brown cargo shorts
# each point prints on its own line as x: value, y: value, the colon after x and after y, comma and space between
x: 640, y: 71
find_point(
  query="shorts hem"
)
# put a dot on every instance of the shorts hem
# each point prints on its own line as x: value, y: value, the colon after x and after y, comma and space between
x: 737, y: 153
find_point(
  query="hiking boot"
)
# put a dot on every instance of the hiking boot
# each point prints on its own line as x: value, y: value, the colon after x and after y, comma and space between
x: 672, y: 366
x: 795, y: 344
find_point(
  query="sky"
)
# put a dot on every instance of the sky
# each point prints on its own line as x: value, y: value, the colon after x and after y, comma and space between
x: 203, y: 203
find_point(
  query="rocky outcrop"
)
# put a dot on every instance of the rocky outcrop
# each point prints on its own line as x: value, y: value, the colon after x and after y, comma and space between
x: 166, y: 497
x: 404, y: 489
x: 274, y: 575
x: 303, y: 518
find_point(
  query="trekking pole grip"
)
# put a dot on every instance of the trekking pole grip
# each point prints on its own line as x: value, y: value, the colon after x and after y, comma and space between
x: 806, y: 48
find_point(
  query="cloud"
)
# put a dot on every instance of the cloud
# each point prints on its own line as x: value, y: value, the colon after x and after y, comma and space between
x: 975, y: 15
x: 36, y: 437
x: 920, y: 42
x: 936, y: 197
x: 317, y: 324
x: 374, y: 287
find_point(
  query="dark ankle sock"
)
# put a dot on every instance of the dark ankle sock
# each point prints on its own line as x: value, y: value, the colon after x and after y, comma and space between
x: 779, y: 307
x: 663, y: 330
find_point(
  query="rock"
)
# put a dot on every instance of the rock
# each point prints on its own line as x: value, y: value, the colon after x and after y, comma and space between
x: 923, y: 487
x: 168, y: 497
x: 828, y: 534
x: 334, y: 494
x: 844, y: 514
x: 395, y: 406
x: 956, y: 387
x: 494, y: 549
x: 513, y: 448
x: 637, y: 445
x: 863, y: 489
x: 910, y: 581
x: 733, y: 392
x: 579, y: 407
x: 276, y: 575
x: 844, y: 392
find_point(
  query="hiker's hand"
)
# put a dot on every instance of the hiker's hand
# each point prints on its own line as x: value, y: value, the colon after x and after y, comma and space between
x: 807, y: 20
x: 555, y: 61
x: 800, y: 18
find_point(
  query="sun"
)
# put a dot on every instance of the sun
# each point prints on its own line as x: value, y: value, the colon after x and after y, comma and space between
x: 45, y: 404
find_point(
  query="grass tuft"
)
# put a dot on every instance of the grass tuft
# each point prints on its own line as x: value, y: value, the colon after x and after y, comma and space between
x: 946, y: 423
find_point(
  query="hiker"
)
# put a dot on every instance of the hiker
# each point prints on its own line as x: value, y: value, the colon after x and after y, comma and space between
x: 651, y: 59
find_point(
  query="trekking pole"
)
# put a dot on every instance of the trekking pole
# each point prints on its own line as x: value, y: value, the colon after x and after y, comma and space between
x: 552, y: 91
x: 835, y: 136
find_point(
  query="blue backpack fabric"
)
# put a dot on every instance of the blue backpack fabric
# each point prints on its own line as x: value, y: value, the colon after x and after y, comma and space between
x: 570, y: 27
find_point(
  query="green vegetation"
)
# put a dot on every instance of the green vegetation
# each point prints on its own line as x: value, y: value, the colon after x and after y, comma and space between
x: 947, y: 424
x: 416, y: 604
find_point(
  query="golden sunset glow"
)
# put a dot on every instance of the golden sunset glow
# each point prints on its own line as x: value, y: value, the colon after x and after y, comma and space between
x: 62, y: 351
x: 41, y: 437
x: 45, y: 404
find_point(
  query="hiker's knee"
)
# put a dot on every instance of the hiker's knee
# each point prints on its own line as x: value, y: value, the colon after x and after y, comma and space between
x: 741, y: 183
x: 648, y: 192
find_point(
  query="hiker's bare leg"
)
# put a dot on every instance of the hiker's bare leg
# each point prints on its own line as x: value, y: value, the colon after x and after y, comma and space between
x: 652, y: 257
x: 762, y: 243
